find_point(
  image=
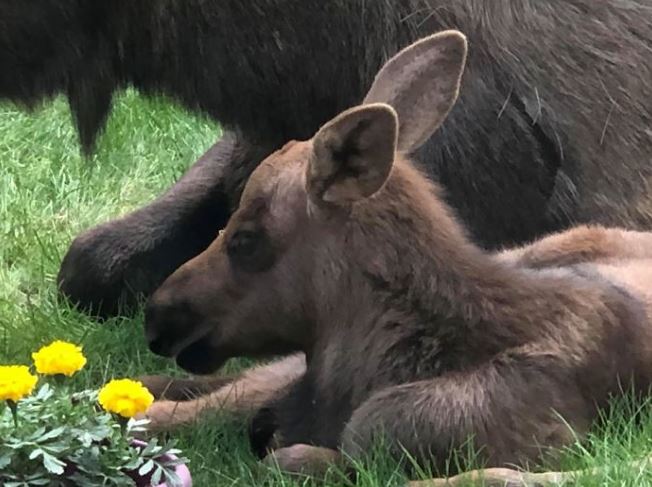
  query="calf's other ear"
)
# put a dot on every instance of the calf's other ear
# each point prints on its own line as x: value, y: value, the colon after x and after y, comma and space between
x: 352, y: 155
x: 421, y: 82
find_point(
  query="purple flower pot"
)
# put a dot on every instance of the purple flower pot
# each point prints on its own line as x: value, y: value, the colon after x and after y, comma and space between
x: 181, y: 470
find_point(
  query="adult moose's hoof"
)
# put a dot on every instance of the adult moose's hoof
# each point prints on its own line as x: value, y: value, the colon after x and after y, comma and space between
x: 100, y: 274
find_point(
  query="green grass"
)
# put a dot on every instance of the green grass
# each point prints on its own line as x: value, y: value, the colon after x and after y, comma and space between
x: 48, y: 194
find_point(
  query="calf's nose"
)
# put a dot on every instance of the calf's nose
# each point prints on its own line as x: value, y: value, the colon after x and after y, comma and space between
x: 168, y: 320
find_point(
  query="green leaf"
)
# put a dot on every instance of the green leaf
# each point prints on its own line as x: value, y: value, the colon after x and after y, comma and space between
x: 133, y: 464
x: 37, y: 434
x: 41, y: 481
x: 50, y: 435
x: 35, y: 453
x: 5, y: 460
x: 55, y: 448
x: 17, y: 445
x: 156, y: 478
x: 172, y: 479
x: 44, y: 393
x: 146, y: 468
x: 151, y: 447
x: 52, y: 464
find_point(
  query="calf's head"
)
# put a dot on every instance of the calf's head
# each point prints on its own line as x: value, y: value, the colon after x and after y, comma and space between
x: 307, y: 212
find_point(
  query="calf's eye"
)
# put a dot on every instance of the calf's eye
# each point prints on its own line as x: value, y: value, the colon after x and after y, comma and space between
x: 243, y: 244
x: 250, y: 250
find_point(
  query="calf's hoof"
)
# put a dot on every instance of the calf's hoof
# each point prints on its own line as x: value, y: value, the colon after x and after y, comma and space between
x: 166, y: 416
x: 303, y: 459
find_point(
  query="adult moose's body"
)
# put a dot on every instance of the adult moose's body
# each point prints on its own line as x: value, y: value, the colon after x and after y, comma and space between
x: 341, y: 249
x: 552, y: 123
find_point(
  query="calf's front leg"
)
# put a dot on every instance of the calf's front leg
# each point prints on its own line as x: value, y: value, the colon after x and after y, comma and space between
x: 110, y: 265
x: 511, y: 409
x: 244, y: 395
x: 164, y: 387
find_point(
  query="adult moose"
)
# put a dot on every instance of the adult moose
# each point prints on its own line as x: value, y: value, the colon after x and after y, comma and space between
x: 341, y: 249
x: 552, y: 125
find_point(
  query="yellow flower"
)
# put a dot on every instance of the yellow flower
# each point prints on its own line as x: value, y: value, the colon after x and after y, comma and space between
x: 16, y: 382
x: 59, y: 358
x: 125, y: 397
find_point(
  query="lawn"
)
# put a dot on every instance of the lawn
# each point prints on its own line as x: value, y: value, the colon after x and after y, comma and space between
x: 48, y: 194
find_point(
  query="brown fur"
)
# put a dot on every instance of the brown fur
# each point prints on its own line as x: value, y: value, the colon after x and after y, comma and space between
x: 582, y: 244
x: 183, y: 389
x: 552, y: 125
x: 249, y: 392
x: 341, y: 249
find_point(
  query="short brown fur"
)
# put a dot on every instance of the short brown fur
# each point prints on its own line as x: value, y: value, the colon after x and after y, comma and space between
x: 341, y: 249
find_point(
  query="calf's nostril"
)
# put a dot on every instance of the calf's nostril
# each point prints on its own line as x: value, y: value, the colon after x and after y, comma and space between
x: 151, y: 334
x: 158, y: 328
x: 152, y: 310
x: 167, y: 323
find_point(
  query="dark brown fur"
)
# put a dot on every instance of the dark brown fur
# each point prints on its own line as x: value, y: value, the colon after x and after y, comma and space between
x: 343, y: 250
x: 552, y: 125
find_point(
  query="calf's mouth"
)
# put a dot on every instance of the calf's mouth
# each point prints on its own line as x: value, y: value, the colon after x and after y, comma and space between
x: 201, y: 358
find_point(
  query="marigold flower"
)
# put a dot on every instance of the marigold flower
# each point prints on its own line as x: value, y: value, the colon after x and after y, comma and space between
x: 59, y: 358
x: 125, y: 397
x: 16, y: 382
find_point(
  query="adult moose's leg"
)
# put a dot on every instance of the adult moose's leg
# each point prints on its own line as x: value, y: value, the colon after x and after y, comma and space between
x: 108, y: 266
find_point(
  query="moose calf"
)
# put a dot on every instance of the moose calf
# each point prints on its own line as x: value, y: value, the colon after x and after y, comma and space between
x: 342, y: 250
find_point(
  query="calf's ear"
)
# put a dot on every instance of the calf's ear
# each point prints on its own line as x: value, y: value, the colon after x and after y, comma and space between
x: 421, y: 83
x: 352, y: 155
